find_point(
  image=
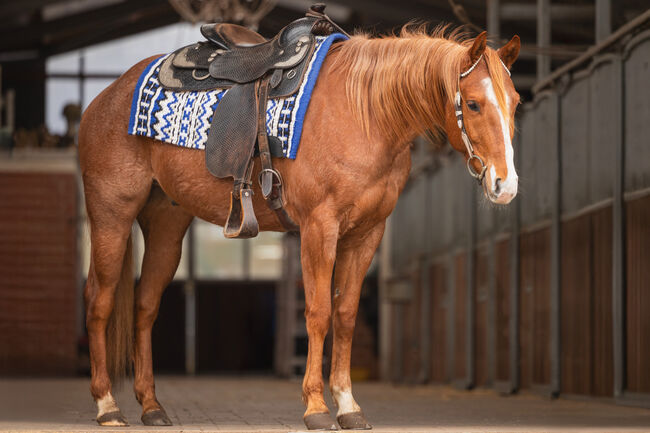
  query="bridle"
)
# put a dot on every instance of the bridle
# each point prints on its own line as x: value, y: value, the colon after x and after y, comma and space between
x: 458, y: 106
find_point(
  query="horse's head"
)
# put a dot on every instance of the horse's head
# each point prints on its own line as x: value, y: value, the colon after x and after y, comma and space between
x: 481, y: 121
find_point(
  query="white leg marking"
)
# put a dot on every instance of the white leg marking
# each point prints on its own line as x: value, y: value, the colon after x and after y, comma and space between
x: 106, y: 405
x: 344, y: 401
x: 509, y: 185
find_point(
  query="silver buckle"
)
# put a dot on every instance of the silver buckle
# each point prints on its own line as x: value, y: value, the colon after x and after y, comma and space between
x: 477, y: 175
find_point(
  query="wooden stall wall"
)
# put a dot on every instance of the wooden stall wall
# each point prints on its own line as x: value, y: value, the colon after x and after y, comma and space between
x: 534, y: 309
x: 39, y: 281
x: 589, y: 134
x: 637, y: 214
x: 586, y: 313
x: 637, y: 306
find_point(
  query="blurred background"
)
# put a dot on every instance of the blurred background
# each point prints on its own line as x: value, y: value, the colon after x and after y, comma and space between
x: 549, y: 294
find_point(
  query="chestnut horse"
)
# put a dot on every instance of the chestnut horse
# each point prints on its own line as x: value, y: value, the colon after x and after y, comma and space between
x: 373, y: 97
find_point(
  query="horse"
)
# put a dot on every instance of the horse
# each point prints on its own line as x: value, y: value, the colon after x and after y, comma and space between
x: 373, y: 97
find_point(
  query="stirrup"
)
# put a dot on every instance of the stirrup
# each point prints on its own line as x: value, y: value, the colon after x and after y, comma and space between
x: 241, y: 223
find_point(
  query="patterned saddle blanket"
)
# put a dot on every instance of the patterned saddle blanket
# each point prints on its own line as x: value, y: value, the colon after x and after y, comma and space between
x: 184, y: 118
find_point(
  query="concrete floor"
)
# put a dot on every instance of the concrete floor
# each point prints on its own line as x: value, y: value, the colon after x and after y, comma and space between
x: 269, y: 405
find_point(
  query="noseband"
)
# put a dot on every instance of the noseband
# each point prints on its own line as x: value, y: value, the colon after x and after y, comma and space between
x: 458, y: 105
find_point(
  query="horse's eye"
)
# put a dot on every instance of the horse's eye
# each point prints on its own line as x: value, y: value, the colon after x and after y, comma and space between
x: 473, y: 105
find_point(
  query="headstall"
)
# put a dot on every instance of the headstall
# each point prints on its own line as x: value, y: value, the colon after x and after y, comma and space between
x: 458, y: 106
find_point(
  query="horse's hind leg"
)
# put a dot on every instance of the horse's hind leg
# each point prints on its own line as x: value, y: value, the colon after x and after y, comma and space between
x: 163, y: 227
x: 112, y: 208
x: 352, y: 261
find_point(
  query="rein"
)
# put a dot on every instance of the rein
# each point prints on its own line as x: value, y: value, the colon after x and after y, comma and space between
x: 458, y: 106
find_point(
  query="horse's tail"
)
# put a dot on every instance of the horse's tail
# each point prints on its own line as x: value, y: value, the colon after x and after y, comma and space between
x: 119, y: 331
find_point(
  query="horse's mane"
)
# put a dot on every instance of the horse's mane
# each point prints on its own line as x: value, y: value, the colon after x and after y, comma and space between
x: 390, y: 79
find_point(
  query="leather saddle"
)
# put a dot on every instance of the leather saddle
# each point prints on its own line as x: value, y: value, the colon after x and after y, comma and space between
x: 253, y: 69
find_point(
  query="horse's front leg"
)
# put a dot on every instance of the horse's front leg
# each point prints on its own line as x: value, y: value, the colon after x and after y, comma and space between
x: 318, y: 238
x: 353, y: 258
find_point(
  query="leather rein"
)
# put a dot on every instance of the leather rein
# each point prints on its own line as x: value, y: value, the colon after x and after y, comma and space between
x: 458, y: 107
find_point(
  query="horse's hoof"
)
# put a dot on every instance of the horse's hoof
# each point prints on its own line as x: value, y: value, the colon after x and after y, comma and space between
x: 156, y: 417
x: 353, y: 421
x: 112, y: 419
x: 319, y: 421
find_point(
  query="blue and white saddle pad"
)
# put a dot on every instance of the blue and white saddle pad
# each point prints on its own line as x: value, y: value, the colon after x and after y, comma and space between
x: 184, y: 118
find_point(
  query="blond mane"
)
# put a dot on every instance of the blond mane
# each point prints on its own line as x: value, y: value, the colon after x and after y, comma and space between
x: 396, y: 81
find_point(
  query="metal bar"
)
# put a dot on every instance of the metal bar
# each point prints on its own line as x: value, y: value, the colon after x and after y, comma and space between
x: 190, y: 306
x: 398, y: 331
x: 603, y: 19
x: 556, y: 258
x: 425, y: 287
x: 82, y: 75
x: 425, y: 320
x: 451, y: 316
x: 523, y: 11
x: 471, y: 289
x: 543, y: 37
x: 491, y: 313
x: 618, y: 246
x: 82, y: 81
x: 493, y: 28
x: 591, y: 52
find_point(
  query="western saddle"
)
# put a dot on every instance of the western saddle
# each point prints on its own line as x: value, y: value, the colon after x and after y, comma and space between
x: 253, y: 69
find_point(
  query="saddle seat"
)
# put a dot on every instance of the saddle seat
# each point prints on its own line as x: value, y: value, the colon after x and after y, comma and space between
x: 229, y: 36
x: 253, y: 69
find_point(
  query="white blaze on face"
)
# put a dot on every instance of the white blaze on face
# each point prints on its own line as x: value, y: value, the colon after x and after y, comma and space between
x: 344, y: 401
x: 508, y: 186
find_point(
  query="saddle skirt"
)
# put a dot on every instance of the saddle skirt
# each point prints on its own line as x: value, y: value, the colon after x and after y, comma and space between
x: 183, y: 118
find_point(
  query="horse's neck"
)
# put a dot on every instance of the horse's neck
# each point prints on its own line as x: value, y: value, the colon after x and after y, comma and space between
x: 397, y: 86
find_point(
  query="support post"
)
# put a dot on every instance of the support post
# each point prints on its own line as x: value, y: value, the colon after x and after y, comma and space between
x: 451, y: 317
x: 491, y: 305
x: 190, y: 306
x: 493, y: 21
x: 556, y: 259
x: 603, y: 19
x: 543, y: 37
x: 513, y: 261
x: 618, y: 248
x: 470, y: 303
x: 425, y: 287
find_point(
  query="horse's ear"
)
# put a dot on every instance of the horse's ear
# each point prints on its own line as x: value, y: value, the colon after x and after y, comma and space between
x: 510, y: 51
x: 478, y: 48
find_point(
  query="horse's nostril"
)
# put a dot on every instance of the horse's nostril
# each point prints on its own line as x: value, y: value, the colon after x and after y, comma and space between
x: 497, y: 186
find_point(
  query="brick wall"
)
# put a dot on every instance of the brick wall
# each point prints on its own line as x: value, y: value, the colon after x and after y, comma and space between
x: 38, y: 273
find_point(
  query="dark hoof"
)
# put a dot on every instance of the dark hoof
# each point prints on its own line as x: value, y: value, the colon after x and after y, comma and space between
x: 353, y: 421
x: 113, y: 419
x: 319, y: 421
x: 156, y: 417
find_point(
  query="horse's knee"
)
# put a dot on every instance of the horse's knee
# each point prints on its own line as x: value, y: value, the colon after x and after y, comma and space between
x: 345, y: 319
x: 318, y: 321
